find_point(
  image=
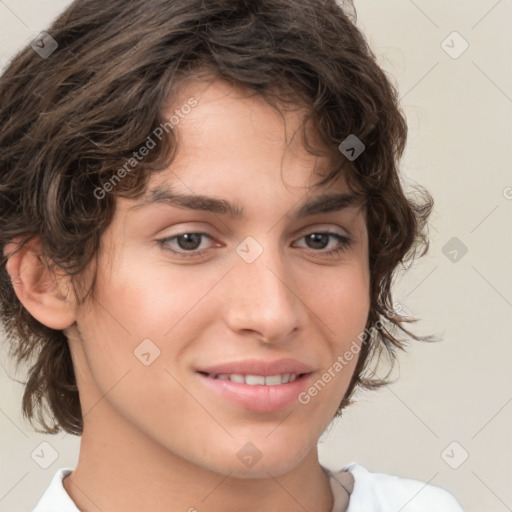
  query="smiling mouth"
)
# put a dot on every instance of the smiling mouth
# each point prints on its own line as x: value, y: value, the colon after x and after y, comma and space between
x: 256, y: 380
x: 255, y: 392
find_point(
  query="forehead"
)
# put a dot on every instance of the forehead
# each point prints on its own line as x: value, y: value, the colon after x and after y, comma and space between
x: 236, y: 153
x: 233, y: 132
x: 232, y: 123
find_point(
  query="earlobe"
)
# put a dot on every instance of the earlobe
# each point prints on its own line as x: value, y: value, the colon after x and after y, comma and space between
x: 45, y: 294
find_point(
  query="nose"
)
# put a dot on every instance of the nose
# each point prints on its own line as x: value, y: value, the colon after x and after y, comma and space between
x: 262, y: 299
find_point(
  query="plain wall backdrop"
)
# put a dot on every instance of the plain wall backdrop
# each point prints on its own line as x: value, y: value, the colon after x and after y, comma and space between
x: 447, y: 420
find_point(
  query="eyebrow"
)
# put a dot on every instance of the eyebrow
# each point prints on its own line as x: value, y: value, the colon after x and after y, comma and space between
x: 324, y: 203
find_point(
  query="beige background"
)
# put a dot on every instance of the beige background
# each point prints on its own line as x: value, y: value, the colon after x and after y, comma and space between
x: 460, y: 118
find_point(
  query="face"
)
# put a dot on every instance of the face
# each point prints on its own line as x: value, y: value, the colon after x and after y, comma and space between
x: 202, y: 315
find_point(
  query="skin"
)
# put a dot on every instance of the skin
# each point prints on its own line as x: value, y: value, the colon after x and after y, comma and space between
x: 155, y: 438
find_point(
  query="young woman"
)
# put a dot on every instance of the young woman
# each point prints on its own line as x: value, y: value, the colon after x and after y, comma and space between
x: 201, y: 216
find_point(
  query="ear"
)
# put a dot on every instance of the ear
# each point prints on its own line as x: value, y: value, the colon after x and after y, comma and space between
x: 45, y: 293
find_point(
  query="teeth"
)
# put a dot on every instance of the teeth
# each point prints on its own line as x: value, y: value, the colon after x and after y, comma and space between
x: 273, y: 380
x: 256, y: 380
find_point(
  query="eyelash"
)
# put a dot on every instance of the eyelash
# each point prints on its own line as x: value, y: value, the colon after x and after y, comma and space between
x: 344, y: 243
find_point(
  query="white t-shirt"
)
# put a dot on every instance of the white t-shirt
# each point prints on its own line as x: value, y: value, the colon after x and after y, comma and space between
x: 373, y: 492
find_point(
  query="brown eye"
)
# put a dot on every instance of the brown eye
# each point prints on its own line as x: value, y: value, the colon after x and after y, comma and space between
x: 320, y: 240
x: 189, y: 241
x: 184, y: 244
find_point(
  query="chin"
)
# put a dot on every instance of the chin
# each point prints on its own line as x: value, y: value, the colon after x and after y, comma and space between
x: 273, y: 462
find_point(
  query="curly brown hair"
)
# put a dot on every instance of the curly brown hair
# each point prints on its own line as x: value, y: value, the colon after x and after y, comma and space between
x: 69, y: 121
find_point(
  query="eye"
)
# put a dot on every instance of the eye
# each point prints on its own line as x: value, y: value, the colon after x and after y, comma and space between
x: 319, y: 240
x: 189, y: 244
x: 185, y: 243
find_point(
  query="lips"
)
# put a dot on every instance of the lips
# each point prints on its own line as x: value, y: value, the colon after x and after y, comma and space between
x: 258, y: 385
x: 258, y: 367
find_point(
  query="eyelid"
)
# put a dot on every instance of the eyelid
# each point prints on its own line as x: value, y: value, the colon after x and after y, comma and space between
x: 303, y: 231
x: 322, y: 228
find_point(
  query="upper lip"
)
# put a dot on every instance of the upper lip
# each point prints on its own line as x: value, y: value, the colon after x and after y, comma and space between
x: 262, y: 367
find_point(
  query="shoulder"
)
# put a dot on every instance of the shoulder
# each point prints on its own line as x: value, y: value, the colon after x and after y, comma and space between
x: 55, y: 498
x: 381, y: 492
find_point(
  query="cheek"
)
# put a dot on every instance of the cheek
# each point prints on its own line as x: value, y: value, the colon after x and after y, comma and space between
x: 340, y: 305
x: 148, y: 298
x: 341, y: 300
x: 142, y: 309
x: 133, y: 334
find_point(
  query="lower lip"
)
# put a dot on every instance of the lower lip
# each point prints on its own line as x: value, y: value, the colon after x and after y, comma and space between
x: 259, y: 398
